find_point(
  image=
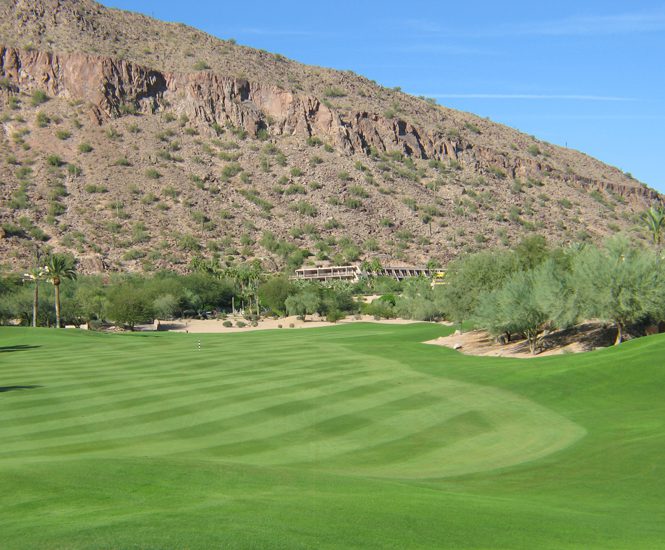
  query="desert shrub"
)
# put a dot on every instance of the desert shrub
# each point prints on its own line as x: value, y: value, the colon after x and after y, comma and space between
x: 253, y: 196
x: 54, y: 160
x: 112, y: 134
x: 189, y: 243
x: 334, y: 92
x: 410, y: 203
x: 379, y: 309
x: 497, y: 172
x: 12, y: 230
x: 332, y: 224
x: 63, y: 134
x: 133, y: 254
x: 38, y: 97
x: 294, y: 189
x: 304, y: 208
x: 231, y: 169
x: 472, y: 127
x: 42, y: 119
x: 334, y: 315
x: 358, y: 191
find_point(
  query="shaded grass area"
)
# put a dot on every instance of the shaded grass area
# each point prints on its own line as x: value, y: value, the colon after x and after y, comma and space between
x: 354, y: 436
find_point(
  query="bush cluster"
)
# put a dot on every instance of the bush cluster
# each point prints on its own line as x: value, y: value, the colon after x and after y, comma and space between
x: 534, y: 289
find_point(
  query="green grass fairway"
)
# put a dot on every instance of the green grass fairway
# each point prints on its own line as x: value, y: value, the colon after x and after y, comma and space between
x: 355, y: 436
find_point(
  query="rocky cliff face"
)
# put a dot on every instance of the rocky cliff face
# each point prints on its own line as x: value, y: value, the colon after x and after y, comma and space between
x: 111, y: 85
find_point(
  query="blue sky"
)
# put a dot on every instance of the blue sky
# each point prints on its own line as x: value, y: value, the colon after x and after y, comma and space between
x: 587, y: 74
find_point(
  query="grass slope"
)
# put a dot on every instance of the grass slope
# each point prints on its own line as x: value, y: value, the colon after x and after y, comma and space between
x: 352, y: 436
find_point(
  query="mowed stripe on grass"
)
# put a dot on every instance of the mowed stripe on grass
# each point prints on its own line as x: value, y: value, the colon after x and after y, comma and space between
x: 350, y: 436
x: 327, y: 409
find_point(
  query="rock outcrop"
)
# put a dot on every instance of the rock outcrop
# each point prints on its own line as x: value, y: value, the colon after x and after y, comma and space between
x: 113, y: 86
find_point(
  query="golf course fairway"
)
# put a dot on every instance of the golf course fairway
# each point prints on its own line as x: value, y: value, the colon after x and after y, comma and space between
x: 353, y: 436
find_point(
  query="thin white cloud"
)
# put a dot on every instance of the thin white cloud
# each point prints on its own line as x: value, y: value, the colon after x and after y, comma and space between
x: 552, y: 97
x: 423, y: 26
x: 577, y: 25
x: 597, y: 24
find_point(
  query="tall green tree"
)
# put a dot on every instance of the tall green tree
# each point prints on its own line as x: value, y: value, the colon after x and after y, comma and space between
x: 90, y: 297
x: 514, y: 309
x: 274, y: 292
x: 128, y: 305
x: 531, y: 252
x: 470, y: 277
x: 303, y: 303
x: 619, y: 284
x: 554, y: 292
x: 58, y: 268
x: 247, y: 277
x: 419, y: 300
x: 165, y: 306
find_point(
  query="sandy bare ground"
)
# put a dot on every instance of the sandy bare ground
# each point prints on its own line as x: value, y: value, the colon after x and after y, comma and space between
x: 210, y: 326
x: 582, y: 338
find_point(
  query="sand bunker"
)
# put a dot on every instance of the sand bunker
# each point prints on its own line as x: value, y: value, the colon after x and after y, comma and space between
x: 197, y: 326
x: 586, y: 337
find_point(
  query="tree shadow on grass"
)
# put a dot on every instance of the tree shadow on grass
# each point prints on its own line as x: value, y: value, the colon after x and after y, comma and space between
x: 15, y: 388
x: 23, y: 347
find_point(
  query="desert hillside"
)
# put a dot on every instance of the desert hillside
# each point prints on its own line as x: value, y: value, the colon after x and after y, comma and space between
x: 137, y: 144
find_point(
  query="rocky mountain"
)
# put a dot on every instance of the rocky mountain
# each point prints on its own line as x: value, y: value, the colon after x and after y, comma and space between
x: 137, y: 144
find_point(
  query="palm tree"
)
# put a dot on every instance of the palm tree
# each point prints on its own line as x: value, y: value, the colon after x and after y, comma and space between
x: 35, y: 275
x: 59, y: 267
x: 655, y: 220
x: 247, y: 276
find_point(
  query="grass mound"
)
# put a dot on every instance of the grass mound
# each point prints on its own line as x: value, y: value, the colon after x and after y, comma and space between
x: 350, y: 436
